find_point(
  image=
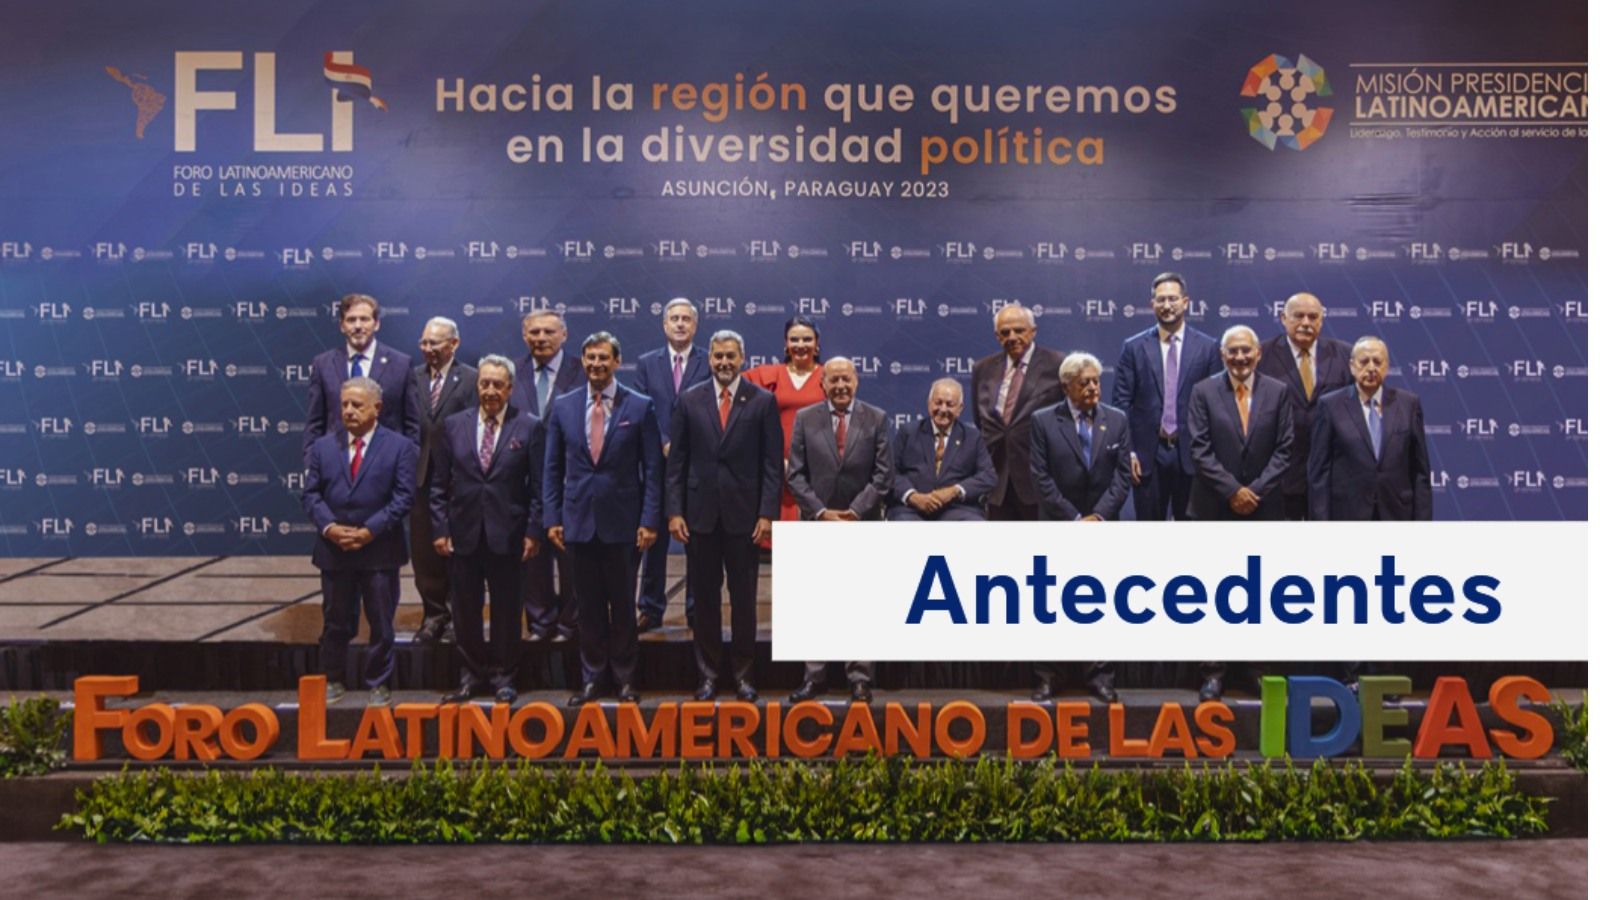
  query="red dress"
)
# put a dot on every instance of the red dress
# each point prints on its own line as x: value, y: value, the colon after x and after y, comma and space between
x: 775, y: 378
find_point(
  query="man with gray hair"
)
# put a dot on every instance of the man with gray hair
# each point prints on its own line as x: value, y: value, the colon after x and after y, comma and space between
x: 663, y: 374
x: 1313, y: 366
x: 726, y: 440
x: 1007, y: 388
x: 443, y: 387
x: 943, y: 471
x: 360, y: 483
x: 484, y: 504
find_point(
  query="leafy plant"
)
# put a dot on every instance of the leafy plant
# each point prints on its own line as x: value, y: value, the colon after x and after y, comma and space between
x: 1573, y: 735
x: 31, y: 736
x: 869, y: 800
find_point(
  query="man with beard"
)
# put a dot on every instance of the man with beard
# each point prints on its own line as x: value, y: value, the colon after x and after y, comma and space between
x: 362, y: 356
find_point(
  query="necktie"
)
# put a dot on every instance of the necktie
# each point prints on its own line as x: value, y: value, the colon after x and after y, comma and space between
x: 1013, y: 390
x: 1169, y: 389
x: 1374, y: 428
x: 1085, y: 435
x: 355, y: 461
x: 355, y: 366
x: 1242, y: 396
x: 486, y: 449
x: 435, y: 385
x: 677, y: 374
x: 938, y: 452
x: 542, y: 389
x: 1306, y: 379
x: 839, y: 431
x: 725, y: 406
x: 597, y: 427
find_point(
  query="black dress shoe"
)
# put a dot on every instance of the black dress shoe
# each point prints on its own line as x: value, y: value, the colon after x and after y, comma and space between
x: 506, y: 694
x: 589, y: 694
x: 627, y: 694
x: 465, y: 692
x: 448, y: 635
x: 648, y: 622
x: 1043, y: 691
x: 860, y: 693
x: 810, y: 690
x: 746, y: 692
x: 1103, y: 692
x: 428, y: 633
x: 707, y: 690
x: 1211, y: 689
x: 537, y: 635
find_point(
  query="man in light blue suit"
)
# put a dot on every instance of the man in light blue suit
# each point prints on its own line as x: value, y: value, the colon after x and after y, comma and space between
x: 602, y: 505
x: 360, y: 484
x: 361, y: 356
x: 943, y: 471
x: 663, y: 374
x: 1156, y: 371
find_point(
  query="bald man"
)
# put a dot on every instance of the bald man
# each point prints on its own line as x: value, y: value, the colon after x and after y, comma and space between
x: 1313, y: 366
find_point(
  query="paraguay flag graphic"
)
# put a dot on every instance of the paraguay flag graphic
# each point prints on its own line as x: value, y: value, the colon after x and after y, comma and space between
x: 351, y: 81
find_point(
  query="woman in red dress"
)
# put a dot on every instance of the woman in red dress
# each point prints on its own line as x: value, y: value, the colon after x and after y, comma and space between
x: 797, y: 382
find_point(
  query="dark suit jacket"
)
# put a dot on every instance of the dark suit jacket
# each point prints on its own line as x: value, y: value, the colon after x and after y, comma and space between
x: 1346, y: 482
x: 494, y: 509
x: 378, y: 499
x: 820, y: 479
x: 1333, y: 372
x: 1068, y: 489
x: 390, y: 368
x: 459, y: 391
x: 569, y: 377
x: 1138, y: 387
x: 966, y: 463
x: 1225, y: 459
x: 1009, y: 444
x: 729, y: 477
x: 653, y: 378
x: 611, y: 500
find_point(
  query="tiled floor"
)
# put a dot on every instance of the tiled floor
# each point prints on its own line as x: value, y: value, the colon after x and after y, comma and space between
x: 260, y: 598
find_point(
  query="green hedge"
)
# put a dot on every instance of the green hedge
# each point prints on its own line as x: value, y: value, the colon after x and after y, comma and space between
x: 849, y: 800
x: 32, y: 736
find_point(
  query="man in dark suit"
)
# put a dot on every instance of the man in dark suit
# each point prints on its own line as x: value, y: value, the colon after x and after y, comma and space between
x: 360, y: 484
x: 1156, y: 371
x: 361, y: 356
x: 942, y: 468
x: 1313, y: 367
x: 443, y: 387
x: 840, y: 470
x: 1241, y: 430
x: 1007, y: 389
x: 1369, y: 452
x: 663, y: 374
x: 724, y: 481
x: 602, y: 487
x: 1082, y: 469
x: 543, y: 375
x: 486, y: 519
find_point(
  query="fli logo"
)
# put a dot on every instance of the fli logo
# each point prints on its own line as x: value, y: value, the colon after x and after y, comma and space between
x: 1287, y: 116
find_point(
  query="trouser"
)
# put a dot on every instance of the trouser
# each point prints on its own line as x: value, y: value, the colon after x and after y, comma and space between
x: 711, y: 554
x: 346, y: 593
x: 430, y: 571
x: 1013, y: 509
x: 653, y: 583
x: 955, y: 512
x: 550, y: 611
x: 605, y: 576
x: 1294, y: 507
x: 854, y: 672
x: 1164, y: 487
x: 496, y: 661
x: 1093, y: 672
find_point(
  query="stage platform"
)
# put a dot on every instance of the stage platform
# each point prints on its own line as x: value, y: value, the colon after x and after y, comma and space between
x: 251, y: 623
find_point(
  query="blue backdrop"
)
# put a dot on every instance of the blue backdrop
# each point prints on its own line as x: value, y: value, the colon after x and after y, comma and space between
x: 159, y: 305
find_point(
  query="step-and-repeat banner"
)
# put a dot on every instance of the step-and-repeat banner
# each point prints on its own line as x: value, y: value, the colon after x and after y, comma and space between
x: 186, y: 188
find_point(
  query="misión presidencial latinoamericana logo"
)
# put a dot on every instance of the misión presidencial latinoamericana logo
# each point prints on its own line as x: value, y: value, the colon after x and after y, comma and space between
x: 1285, y: 92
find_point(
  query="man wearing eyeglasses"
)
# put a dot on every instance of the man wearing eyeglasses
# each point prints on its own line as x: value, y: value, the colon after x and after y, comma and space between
x: 442, y: 387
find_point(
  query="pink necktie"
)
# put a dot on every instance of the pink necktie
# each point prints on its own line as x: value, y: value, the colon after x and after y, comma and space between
x: 486, y: 449
x: 597, y: 427
x: 677, y: 372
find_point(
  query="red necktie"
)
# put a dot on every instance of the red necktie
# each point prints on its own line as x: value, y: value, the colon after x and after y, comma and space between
x: 839, y: 430
x: 355, y: 461
x: 724, y: 407
x: 597, y: 427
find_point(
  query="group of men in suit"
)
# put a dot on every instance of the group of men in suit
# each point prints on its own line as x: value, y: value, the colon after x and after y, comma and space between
x: 552, y: 450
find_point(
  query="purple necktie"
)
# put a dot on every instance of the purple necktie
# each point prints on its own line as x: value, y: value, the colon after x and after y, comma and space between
x: 677, y: 372
x: 1169, y: 390
x: 486, y: 449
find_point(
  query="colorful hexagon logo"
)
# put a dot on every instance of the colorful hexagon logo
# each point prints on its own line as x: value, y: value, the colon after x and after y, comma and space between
x: 1284, y: 92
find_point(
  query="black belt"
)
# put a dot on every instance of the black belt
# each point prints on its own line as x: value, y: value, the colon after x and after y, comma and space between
x: 1167, y: 440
